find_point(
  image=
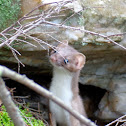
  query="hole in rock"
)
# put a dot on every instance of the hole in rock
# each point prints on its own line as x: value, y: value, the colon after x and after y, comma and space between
x: 91, y: 96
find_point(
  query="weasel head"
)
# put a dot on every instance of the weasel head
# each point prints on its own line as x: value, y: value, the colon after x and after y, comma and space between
x: 66, y: 57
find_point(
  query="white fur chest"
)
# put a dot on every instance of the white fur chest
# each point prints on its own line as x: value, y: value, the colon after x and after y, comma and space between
x: 61, y: 87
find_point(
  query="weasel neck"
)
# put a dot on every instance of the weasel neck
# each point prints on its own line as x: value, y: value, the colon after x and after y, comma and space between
x: 61, y: 72
x: 62, y: 77
x: 65, y: 80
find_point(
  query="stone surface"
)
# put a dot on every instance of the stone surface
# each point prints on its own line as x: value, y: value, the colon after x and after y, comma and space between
x: 105, y: 62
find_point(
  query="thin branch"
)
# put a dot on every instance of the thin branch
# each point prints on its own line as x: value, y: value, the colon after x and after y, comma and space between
x: 10, y: 106
x: 5, y: 72
x: 119, y: 34
x: 17, y: 58
x: 117, y: 120
x: 71, y: 16
x: 83, y: 30
x: 39, y: 41
x: 20, y: 40
x: 14, y: 50
x: 19, y: 29
x: 42, y: 19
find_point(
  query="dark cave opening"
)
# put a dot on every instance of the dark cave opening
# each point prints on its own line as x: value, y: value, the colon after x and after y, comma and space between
x: 91, y: 95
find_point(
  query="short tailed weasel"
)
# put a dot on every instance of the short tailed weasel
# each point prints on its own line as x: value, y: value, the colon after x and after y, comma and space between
x: 67, y: 63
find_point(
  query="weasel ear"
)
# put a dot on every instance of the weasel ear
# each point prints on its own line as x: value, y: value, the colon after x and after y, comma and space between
x: 80, y: 61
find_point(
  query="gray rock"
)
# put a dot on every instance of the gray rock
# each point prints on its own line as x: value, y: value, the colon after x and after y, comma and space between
x: 106, y: 63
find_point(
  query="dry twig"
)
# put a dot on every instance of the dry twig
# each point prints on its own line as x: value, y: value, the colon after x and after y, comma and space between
x: 122, y: 119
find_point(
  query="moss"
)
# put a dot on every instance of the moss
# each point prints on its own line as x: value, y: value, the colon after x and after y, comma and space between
x: 5, y: 120
x: 9, y: 11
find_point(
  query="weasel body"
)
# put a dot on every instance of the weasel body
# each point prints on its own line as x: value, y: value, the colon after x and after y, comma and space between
x: 67, y: 63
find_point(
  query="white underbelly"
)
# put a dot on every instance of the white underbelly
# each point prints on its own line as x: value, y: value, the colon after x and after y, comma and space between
x: 61, y: 87
x: 65, y: 94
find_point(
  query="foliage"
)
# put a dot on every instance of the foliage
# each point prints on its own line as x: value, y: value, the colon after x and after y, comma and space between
x: 9, y: 11
x: 5, y: 120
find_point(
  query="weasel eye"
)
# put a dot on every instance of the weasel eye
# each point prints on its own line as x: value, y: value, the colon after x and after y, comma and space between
x: 66, y: 61
x: 54, y: 51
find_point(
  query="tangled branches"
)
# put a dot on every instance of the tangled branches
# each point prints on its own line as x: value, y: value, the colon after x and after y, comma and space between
x: 117, y: 122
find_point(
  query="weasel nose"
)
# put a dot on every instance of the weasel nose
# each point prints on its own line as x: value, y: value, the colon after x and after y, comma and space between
x: 53, y: 59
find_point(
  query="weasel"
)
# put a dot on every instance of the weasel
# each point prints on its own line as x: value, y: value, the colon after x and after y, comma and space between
x: 67, y: 63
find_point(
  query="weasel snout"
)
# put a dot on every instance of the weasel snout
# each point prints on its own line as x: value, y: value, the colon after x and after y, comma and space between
x: 52, y: 59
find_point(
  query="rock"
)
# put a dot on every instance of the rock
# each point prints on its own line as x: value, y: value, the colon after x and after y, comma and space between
x: 105, y: 62
x: 106, y: 70
x: 105, y: 112
x: 112, y: 104
x: 104, y: 17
